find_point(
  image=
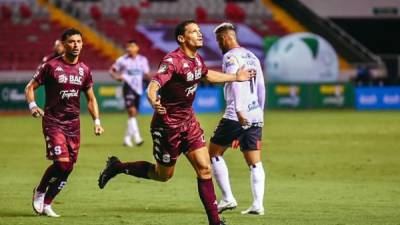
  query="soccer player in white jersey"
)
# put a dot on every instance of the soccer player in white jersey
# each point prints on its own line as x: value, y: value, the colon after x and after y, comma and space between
x: 242, y: 122
x: 131, y: 69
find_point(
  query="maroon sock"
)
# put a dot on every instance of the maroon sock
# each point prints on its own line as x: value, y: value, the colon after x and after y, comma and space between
x: 207, y: 196
x: 138, y: 169
x: 48, y: 174
x: 57, y: 183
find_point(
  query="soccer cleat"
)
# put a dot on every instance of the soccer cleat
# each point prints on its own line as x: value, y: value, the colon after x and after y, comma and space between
x: 225, y: 205
x: 108, y: 172
x: 48, y: 211
x: 254, y: 211
x: 128, y: 142
x: 37, y: 201
x: 140, y: 143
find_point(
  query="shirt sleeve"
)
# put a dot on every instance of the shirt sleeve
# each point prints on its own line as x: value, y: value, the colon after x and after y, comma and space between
x: 231, y: 64
x: 88, y: 83
x: 146, y: 67
x: 41, y: 72
x: 117, y: 66
x: 261, y: 88
x: 164, y: 73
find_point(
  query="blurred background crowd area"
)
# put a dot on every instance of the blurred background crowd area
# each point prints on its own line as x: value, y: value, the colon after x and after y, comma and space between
x: 346, y: 43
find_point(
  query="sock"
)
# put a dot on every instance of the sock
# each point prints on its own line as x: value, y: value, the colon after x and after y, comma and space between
x: 57, y: 183
x: 221, y: 174
x: 207, y: 196
x: 134, y: 129
x: 138, y: 169
x: 257, y: 184
x: 50, y: 172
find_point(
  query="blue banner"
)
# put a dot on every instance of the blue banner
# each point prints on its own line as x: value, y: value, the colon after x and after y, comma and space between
x: 370, y: 98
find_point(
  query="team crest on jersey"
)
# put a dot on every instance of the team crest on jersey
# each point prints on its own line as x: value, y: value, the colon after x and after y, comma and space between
x: 163, y: 68
x: 62, y: 79
x: 197, y: 74
x: 81, y: 71
x: 59, y: 69
x: 189, y: 76
x: 230, y: 61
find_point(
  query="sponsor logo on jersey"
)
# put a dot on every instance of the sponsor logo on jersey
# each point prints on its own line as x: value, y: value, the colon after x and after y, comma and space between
x: 252, y: 106
x: 81, y: 71
x: 59, y: 69
x: 69, y: 93
x: 191, y: 90
x: 75, y: 79
x: 62, y: 79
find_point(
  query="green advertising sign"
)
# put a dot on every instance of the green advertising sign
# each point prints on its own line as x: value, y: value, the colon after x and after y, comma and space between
x: 310, y: 96
x: 12, y: 97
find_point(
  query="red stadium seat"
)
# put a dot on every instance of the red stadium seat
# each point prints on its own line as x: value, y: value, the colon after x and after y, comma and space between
x: 201, y: 14
x: 234, y: 13
x: 6, y: 13
x: 25, y: 11
x: 95, y: 12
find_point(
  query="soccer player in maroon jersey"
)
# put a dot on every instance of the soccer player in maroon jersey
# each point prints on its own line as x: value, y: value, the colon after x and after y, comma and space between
x: 63, y: 78
x: 174, y: 127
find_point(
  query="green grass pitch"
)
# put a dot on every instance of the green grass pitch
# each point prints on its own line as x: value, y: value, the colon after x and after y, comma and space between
x: 323, y: 167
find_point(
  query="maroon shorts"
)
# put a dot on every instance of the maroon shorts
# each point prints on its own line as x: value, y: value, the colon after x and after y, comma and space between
x: 59, y: 146
x: 168, y: 144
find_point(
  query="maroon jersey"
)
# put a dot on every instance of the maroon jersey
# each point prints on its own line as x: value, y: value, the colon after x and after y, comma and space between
x: 50, y: 57
x: 63, y: 84
x: 178, y: 76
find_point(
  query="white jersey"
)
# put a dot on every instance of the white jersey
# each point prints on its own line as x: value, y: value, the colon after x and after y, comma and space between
x: 132, y: 70
x: 247, y: 97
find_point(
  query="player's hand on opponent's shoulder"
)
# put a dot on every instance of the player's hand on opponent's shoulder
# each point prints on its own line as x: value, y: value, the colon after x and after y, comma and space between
x: 158, y: 107
x: 245, y: 74
x: 98, y: 130
x: 37, y: 112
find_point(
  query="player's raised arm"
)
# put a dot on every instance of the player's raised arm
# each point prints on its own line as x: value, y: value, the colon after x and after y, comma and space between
x: 154, y: 100
x: 94, y: 110
x: 241, y: 75
x: 30, y: 98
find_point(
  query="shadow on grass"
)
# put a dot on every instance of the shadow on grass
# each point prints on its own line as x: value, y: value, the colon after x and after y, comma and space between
x: 12, y: 214
x: 152, y: 210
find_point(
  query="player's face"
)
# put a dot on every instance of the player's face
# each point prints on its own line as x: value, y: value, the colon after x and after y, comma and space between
x: 132, y: 49
x: 73, y: 45
x: 193, y: 37
x: 221, y: 42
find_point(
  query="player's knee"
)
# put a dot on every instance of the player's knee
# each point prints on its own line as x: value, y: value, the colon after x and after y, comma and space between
x: 65, y: 167
x: 164, y: 177
x: 204, y: 171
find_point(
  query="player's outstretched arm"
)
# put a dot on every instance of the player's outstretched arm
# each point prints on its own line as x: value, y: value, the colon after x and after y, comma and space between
x: 115, y: 74
x: 30, y: 98
x: 154, y: 100
x: 94, y: 110
x: 241, y: 75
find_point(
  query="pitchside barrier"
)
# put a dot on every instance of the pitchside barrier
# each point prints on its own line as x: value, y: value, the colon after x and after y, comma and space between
x: 210, y: 99
x: 109, y: 97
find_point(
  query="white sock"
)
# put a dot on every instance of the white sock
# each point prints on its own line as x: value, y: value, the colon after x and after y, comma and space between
x: 257, y: 177
x: 221, y: 174
x: 134, y: 129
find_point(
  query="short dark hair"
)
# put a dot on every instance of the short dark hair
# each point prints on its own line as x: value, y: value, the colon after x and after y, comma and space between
x: 180, y: 29
x: 70, y: 32
x: 132, y: 41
